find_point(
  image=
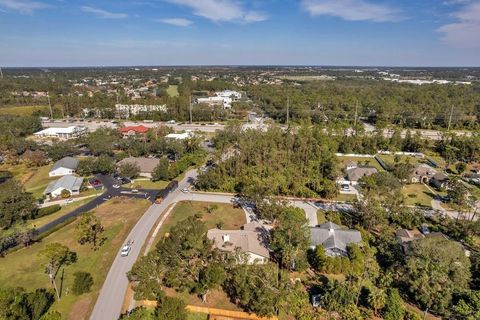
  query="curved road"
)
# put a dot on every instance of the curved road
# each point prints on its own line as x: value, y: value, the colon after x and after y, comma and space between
x: 111, y: 297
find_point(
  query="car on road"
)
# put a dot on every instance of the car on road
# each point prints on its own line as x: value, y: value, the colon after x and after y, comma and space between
x: 116, y: 186
x: 134, y: 190
x: 126, y: 249
x: 185, y: 190
x: 424, y: 229
x: 69, y: 201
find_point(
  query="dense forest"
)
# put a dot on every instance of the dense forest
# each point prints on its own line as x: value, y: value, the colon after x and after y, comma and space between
x: 381, y: 103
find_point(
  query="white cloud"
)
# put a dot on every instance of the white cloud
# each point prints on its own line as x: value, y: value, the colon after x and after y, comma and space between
x: 465, y: 32
x: 179, y: 22
x: 352, y: 10
x: 23, y: 6
x: 103, y: 13
x: 221, y: 10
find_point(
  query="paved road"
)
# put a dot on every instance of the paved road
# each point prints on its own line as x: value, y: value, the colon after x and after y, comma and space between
x: 110, y: 299
x: 111, y: 192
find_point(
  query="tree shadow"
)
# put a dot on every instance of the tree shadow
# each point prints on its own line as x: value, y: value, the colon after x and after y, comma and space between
x: 60, y: 290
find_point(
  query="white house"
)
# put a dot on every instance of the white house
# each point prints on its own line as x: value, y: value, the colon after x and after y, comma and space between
x: 63, y: 167
x: 70, y: 183
x: 62, y: 133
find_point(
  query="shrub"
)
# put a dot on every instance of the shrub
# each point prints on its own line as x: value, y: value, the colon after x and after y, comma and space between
x: 65, y: 194
x: 82, y: 283
x: 45, y: 211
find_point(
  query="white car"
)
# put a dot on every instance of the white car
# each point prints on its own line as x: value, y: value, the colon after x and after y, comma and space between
x: 134, y: 190
x: 68, y: 201
x: 116, y: 186
x: 185, y: 190
x: 125, y: 250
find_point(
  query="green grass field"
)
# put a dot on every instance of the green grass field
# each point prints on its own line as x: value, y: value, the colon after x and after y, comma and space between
x: 361, y: 161
x: 147, y: 184
x: 389, y: 159
x: 172, y: 91
x: 23, y: 267
x: 417, y: 194
x: 226, y: 214
x: 22, y: 110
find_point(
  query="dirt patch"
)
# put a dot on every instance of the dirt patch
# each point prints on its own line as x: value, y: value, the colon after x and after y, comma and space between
x: 80, y: 309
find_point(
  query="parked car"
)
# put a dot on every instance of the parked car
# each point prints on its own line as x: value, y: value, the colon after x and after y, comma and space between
x: 424, y: 229
x: 135, y: 190
x: 345, y: 187
x: 116, y: 186
x: 185, y: 190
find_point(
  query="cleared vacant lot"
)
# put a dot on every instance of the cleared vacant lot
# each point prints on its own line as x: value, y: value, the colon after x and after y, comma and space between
x: 23, y: 268
x: 361, y: 161
x: 417, y: 194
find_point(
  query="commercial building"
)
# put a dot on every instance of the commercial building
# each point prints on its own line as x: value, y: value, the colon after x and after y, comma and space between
x: 130, y: 110
x: 62, y: 133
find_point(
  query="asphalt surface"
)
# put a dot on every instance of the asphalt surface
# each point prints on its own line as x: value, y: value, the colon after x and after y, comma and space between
x: 111, y: 297
x: 108, y: 182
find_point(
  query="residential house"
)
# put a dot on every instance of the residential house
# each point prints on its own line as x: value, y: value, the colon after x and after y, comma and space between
x: 250, y: 240
x: 422, y: 173
x: 333, y: 238
x: 63, y: 167
x: 70, y: 183
x: 146, y: 165
x: 439, y: 180
x: 134, y: 131
x: 406, y: 237
x: 355, y: 173
x: 62, y: 133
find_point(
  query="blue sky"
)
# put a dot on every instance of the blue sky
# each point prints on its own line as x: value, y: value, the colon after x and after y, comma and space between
x: 239, y: 32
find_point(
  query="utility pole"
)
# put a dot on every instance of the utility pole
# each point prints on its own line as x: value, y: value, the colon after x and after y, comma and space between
x: 288, y: 109
x: 356, y: 114
x: 50, y: 105
x: 190, y: 107
x: 1, y: 73
x: 450, y: 119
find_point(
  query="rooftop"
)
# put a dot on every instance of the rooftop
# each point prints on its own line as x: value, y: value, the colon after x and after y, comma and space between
x: 67, y: 162
x: 68, y: 182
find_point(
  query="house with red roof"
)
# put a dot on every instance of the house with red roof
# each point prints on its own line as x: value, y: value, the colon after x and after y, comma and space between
x: 133, y: 131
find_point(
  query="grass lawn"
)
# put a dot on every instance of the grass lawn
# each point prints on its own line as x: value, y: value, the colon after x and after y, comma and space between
x: 23, y: 267
x: 230, y: 217
x: 345, y: 197
x: 197, y: 316
x: 172, y: 91
x: 321, y: 217
x: 389, y: 159
x: 361, y: 161
x: 417, y: 194
x: 147, y: 184
x: 22, y: 110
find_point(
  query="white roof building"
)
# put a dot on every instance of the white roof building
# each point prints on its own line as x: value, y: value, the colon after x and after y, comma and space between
x: 62, y: 133
x: 180, y: 136
x: 63, y: 167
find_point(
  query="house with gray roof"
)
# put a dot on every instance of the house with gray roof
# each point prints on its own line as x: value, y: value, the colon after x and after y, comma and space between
x: 251, y: 241
x: 64, y: 166
x: 146, y: 165
x: 333, y: 238
x: 70, y: 183
x: 356, y: 173
x: 440, y: 180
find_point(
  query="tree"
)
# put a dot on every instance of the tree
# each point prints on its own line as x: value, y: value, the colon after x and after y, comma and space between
x: 468, y: 306
x: 290, y: 239
x: 394, y: 308
x: 15, y: 204
x: 139, y: 313
x: 434, y: 271
x: 170, y: 308
x: 82, y: 283
x: 376, y: 299
x: 65, y: 194
x: 210, y: 278
x: 90, y: 230
x: 128, y: 170
x: 161, y: 170
x: 56, y: 255
x: 34, y: 158
x: 104, y: 164
x: 19, y: 304
x: 460, y: 167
